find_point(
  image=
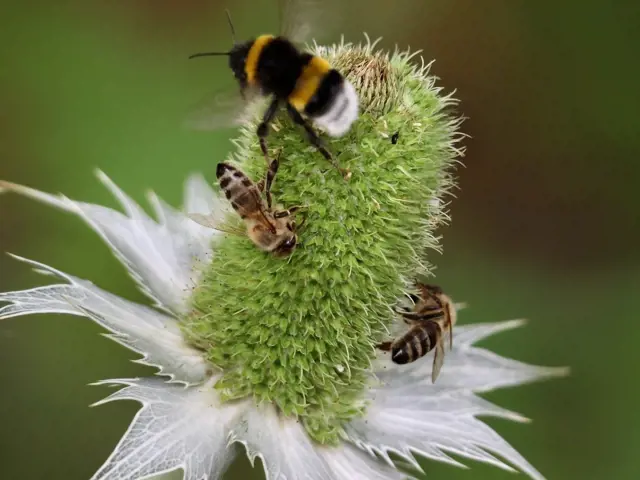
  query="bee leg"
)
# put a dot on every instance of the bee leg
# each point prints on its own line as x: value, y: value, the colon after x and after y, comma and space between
x: 402, y: 311
x: 294, y: 225
x: 414, y: 298
x: 409, y: 315
x: 385, y: 346
x: 315, y: 140
x: 271, y: 174
x: 299, y: 225
x: 288, y: 212
x: 263, y: 128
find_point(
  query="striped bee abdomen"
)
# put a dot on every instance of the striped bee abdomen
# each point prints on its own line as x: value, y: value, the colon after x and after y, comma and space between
x: 416, y: 343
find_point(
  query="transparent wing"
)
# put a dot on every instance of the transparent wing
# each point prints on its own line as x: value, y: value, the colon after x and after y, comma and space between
x: 438, y: 360
x: 231, y: 107
x: 305, y: 20
x: 209, y: 221
x: 213, y: 221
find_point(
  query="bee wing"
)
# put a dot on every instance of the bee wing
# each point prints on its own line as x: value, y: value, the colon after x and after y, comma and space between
x: 209, y: 221
x: 265, y: 222
x: 223, y: 109
x: 302, y: 20
x: 212, y: 221
x: 438, y: 360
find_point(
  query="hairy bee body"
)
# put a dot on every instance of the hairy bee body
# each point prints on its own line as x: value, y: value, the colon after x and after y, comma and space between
x: 304, y: 81
x: 271, y: 231
x: 431, y: 318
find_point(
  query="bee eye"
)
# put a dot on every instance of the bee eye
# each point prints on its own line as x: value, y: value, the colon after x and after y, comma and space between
x: 395, y: 137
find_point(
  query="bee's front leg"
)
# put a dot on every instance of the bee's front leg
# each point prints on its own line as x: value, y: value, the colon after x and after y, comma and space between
x: 288, y: 212
x: 409, y: 315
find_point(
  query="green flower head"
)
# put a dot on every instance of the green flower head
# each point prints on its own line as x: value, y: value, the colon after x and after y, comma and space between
x: 301, y: 333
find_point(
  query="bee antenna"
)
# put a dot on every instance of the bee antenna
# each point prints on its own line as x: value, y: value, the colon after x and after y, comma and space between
x: 208, y: 54
x: 233, y: 38
x: 233, y: 30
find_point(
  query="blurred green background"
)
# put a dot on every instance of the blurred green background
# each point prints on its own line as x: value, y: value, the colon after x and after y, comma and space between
x: 545, y: 224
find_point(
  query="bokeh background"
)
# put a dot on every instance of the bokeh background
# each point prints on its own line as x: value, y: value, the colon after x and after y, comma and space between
x: 545, y: 224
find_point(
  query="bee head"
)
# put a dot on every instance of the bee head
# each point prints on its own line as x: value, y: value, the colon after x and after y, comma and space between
x: 286, y: 246
x: 237, y: 60
x: 286, y: 230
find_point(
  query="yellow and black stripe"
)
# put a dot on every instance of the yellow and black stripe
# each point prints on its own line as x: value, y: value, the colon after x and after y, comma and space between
x: 309, y: 82
x: 253, y: 57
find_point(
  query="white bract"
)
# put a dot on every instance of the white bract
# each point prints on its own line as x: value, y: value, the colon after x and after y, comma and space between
x: 182, y: 425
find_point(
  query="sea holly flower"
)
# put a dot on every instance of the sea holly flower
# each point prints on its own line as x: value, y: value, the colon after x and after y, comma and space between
x: 280, y: 355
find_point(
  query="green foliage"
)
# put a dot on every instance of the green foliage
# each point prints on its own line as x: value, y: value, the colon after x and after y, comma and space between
x: 300, y: 333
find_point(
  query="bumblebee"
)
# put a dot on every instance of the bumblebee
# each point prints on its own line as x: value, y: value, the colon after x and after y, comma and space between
x: 306, y: 84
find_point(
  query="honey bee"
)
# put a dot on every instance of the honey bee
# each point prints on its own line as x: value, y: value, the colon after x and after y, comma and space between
x: 306, y: 84
x: 431, y: 319
x: 273, y: 231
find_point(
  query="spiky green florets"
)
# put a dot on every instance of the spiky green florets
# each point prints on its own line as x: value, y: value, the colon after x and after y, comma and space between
x: 301, y: 333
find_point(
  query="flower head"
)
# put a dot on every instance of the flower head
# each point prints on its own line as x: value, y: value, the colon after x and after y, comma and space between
x: 280, y: 355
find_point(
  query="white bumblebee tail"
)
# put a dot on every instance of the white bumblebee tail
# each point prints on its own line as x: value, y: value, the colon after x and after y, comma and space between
x: 343, y: 112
